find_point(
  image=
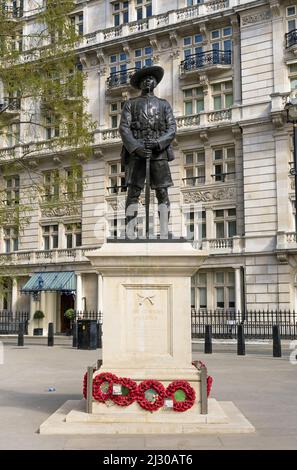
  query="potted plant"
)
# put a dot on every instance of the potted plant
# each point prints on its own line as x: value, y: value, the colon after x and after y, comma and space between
x: 69, y: 315
x: 38, y: 315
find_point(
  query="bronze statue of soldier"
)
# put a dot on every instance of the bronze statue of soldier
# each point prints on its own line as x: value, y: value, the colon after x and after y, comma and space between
x: 147, y: 129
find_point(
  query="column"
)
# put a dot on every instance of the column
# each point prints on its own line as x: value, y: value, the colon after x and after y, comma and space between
x: 14, y: 295
x: 238, y: 296
x: 236, y: 60
x: 100, y: 293
x: 79, y: 306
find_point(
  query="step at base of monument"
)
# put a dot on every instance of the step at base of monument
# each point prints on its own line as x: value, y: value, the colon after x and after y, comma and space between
x: 71, y: 418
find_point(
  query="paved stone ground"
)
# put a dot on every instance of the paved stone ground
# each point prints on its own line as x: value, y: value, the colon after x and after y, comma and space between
x: 264, y: 388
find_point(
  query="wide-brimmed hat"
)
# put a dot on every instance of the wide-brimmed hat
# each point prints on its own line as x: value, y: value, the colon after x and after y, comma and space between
x: 155, y: 71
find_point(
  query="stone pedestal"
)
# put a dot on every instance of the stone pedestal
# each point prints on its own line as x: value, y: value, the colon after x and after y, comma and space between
x: 147, y: 319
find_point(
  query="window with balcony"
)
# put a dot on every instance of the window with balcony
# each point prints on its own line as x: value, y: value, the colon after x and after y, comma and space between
x: 74, y: 183
x: 73, y: 235
x: 12, y: 192
x: 120, y: 12
x: 11, y: 239
x: 143, y: 9
x: 194, y: 168
x: 193, y: 100
x: 143, y: 57
x: 12, y: 134
x: 225, y: 223
x: 195, y: 224
x: 224, y: 284
x: 116, y: 178
x: 221, y: 45
x: 50, y: 237
x: 51, y: 185
x: 115, y: 110
x: 222, y: 94
x: 192, y: 45
x: 291, y: 19
x: 118, y: 70
x: 77, y: 22
x: 224, y: 164
x: 52, y: 126
x: 191, y: 3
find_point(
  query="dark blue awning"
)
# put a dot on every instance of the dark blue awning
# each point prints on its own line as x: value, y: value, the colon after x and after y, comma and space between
x: 51, y: 281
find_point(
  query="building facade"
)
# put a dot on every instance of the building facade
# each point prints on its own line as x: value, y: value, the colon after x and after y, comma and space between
x: 230, y: 66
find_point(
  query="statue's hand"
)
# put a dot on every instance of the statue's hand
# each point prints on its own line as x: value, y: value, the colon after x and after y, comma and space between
x: 151, y: 144
x: 141, y: 152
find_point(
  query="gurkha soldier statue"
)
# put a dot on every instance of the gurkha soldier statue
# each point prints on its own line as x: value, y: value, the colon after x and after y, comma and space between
x: 147, y: 129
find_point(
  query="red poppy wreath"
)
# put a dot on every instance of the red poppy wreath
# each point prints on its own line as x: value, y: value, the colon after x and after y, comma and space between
x: 129, y: 391
x: 102, y: 386
x: 182, y: 394
x: 150, y: 395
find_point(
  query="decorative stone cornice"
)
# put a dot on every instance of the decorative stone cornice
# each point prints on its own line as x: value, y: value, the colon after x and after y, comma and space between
x: 204, y: 136
x: 209, y: 195
x: 256, y: 18
x: 65, y: 210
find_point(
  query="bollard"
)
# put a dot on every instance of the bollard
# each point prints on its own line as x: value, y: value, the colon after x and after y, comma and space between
x: 240, y: 341
x: 21, y: 334
x: 208, y: 340
x: 50, y: 335
x: 99, y: 335
x: 74, y: 335
x: 277, y: 349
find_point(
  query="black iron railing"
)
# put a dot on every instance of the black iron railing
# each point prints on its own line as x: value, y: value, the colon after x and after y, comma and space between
x: 194, y: 180
x: 117, y: 189
x: 256, y: 324
x: 291, y: 38
x: 224, y: 176
x: 10, y: 322
x: 203, y: 59
x: 121, y: 78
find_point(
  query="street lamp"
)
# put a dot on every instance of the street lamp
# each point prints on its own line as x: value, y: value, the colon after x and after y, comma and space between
x: 291, y: 108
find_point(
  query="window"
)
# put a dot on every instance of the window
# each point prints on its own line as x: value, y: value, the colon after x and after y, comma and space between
x: 74, y: 183
x: 195, y: 224
x: 192, y: 45
x: 12, y: 134
x: 78, y: 23
x: 221, y: 45
x: 120, y: 13
x: 225, y: 289
x: 17, y: 41
x: 222, y: 94
x: 11, y: 239
x: 143, y: 9
x: 118, y: 69
x: 12, y: 190
x: 117, y: 227
x: 193, y: 100
x: 51, y: 185
x: 115, y: 110
x: 291, y: 18
x: 73, y: 235
x: 143, y: 57
x: 224, y: 164
x: 17, y: 8
x: 199, y: 291
x: 225, y: 223
x: 194, y: 168
x: 52, y: 126
x: 191, y: 3
x: 50, y: 235
x: 293, y: 76
x: 116, y: 178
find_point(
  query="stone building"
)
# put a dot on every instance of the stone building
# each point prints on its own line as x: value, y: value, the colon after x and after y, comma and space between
x: 230, y: 66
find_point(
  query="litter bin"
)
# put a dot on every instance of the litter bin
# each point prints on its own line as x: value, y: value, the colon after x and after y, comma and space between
x: 86, y: 334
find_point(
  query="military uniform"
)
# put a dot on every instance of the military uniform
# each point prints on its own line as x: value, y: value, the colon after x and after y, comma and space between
x: 142, y: 118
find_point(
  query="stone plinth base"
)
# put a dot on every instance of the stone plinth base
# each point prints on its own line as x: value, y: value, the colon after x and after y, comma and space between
x: 71, y: 418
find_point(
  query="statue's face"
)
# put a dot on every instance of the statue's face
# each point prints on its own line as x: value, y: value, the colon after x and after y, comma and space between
x: 148, y: 83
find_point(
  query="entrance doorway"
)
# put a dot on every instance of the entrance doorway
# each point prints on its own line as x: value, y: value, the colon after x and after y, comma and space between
x: 67, y: 301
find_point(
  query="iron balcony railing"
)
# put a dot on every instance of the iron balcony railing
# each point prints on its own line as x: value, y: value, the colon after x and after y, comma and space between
x: 291, y: 38
x: 229, y: 176
x: 204, y: 59
x: 121, y: 78
x: 116, y: 189
x: 194, y: 180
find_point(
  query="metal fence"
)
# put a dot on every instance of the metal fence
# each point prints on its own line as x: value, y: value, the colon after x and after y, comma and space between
x: 256, y: 324
x: 88, y: 316
x: 10, y: 322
